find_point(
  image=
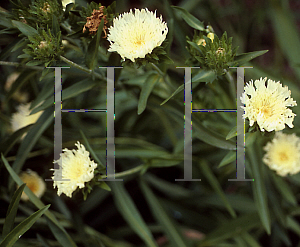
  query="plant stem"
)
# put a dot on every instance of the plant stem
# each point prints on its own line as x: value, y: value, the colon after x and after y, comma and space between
x: 77, y: 66
x: 125, y: 173
x: 20, y: 65
x: 164, y: 76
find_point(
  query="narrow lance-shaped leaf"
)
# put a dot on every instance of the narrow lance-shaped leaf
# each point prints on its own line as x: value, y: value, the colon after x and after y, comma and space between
x: 131, y: 214
x: 169, y: 227
x: 25, y: 29
x: 12, y: 211
x: 191, y: 20
x: 70, y: 92
x: 246, y: 57
x: 24, y: 226
x: 259, y: 191
x: 216, y: 186
x: 146, y: 90
x: 36, y: 201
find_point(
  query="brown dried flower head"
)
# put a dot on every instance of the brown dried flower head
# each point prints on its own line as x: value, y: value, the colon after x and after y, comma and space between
x: 93, y: 21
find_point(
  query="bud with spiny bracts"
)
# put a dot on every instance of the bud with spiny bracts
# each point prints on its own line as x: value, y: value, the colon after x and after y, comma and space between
x: 44, y: 48
x: 211, y: 53
x: 40, y: 12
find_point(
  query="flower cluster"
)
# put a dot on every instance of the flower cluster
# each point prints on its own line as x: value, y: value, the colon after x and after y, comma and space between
x: 283, y: 154
x: 76, y: 167
x: 136, y: 34
x: 211, y: 53
x: 267, y: 105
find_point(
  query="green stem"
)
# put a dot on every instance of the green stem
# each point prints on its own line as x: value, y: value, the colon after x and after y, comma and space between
x: 164, y: 76
x: 20, y: 65
x: 77, y: 66
x: 158, y: 70
x: 232, y: 84
x: 125, y: 173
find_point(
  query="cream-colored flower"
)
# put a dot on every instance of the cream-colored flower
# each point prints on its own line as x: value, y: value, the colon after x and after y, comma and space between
x: 202, y: 42
x: 34, y: 182
x: 133, y: 35
x: 211, y: 36
x: 66, y: 2
x: 283, y: 154
x: 18, y: 95
x: 22, y: 118
x: 268, y: 105
x: 76, y: 166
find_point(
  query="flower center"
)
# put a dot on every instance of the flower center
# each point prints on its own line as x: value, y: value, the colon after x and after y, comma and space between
x: 32, y: 186
x: 266, y: 111
x: 283, y: 156
x: 139, y: 42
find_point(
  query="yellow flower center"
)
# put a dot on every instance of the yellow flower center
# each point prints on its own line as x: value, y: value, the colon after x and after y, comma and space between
x: 283, y: 157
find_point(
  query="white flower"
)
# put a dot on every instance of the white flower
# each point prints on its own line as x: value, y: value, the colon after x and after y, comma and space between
x: 283, y: 154
x: 268, y: 105
x: 34, y: 182
x: 76, y: 166
x: 133, y: 35
x: 18, y: 95
x: 22, y: 118
x: 66, y: 2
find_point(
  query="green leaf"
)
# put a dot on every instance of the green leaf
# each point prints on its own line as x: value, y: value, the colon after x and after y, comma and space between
x: 178, y: 90
x: 35, y: 200
x: 42, y: 240
x: 13, y: 139
x: 231, y: 229
x: 60, y: 236
x: 211, y: 137
x: 259, y: 190
x: 232, y: 133
x: 12, y: 211
x: 24, y: 226
x: 191, y: 20
x: 287, y: 34
x: 68, y: 93
x: 55, y: 26
x: 246, y: 57
x: 284, y: 189
x: 213, y: 181
x: 89, y: 148
x: 92, y: 52
x: 24, y: 28
x: 131, y: 214
x: 169, y: 227
x: 204, y: 76
x: 146, y: 90
x: 228, y: 158
x: 104, y: 186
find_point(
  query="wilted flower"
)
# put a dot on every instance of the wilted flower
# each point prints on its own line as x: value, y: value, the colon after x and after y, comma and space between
x: 268, y: 105
x: 22, y: 118
x: 93, y: 21
x: 283, y: 154
x: 34, y: 182
x: 76, y: 166
x: 134, y: 35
